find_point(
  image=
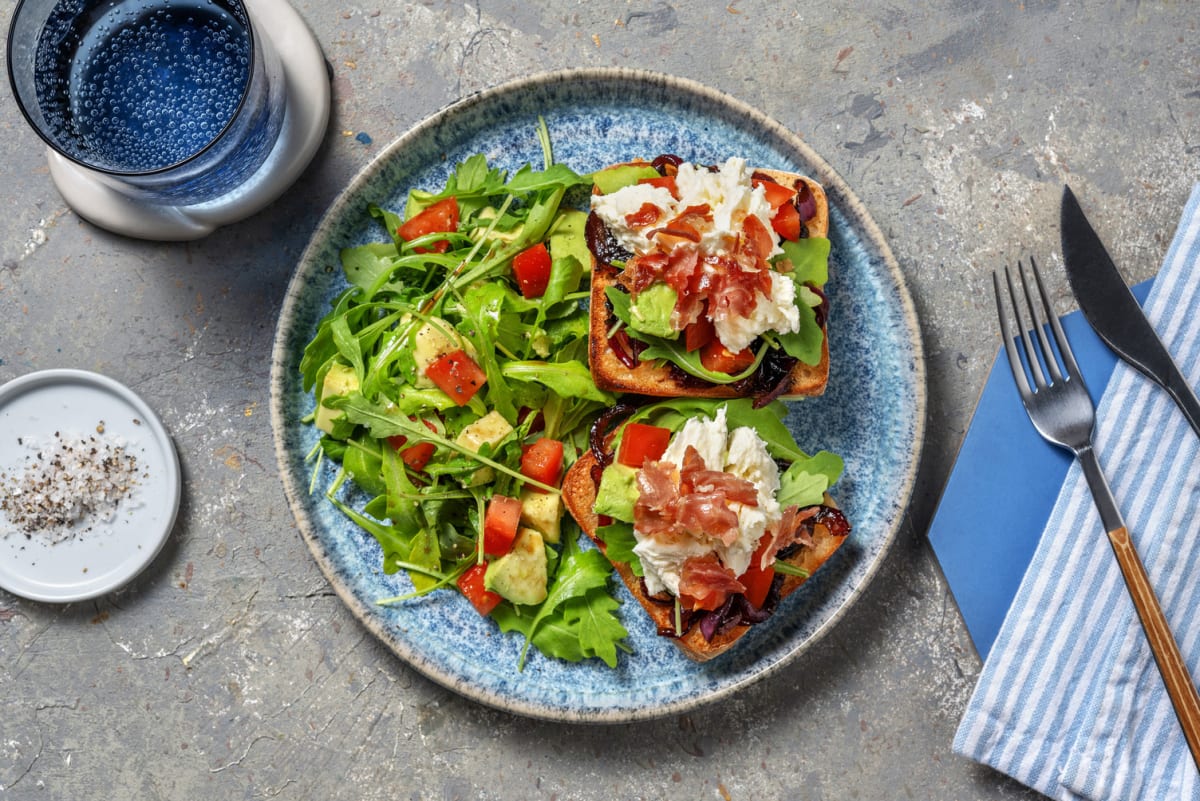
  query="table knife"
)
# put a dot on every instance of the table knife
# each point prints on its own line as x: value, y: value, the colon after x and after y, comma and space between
x: 1113, y: 311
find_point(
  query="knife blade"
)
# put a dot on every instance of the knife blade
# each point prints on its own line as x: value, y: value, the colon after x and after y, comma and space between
x: 1114, y: 313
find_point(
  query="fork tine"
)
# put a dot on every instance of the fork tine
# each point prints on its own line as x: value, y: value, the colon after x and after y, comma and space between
x: 1060, y: 338
x: 1031, y: 355
x: 1010, y: 346
x: 1039, y: 320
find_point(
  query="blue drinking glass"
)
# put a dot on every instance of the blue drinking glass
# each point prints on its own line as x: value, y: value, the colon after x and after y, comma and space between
x: 175, y: 101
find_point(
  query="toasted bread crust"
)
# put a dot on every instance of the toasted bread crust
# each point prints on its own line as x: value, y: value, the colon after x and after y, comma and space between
x: 579, y: 495
x: 647, y: 378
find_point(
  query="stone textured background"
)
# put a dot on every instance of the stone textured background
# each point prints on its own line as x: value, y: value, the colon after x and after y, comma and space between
x: 230, y: 670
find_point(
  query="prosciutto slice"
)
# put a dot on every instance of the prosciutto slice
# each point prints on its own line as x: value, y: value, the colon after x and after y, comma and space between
x: 708, y: 582
x: 728, y: 286
x: 696, y: 477
x: 790, y: 530
x: 691, y: 501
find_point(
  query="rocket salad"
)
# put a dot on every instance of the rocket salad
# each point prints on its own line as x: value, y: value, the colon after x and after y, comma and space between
x: 452, y: 387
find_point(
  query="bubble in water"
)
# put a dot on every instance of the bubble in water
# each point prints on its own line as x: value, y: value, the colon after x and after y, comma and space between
x: 150, y: 90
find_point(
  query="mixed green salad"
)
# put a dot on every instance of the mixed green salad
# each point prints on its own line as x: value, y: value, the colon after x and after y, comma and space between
x: 452, y: 387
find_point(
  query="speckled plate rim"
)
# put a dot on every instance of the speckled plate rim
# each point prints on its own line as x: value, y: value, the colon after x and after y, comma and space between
x: 839, y: 194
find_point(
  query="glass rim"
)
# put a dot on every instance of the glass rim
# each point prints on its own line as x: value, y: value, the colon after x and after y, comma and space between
x: 12, y: 81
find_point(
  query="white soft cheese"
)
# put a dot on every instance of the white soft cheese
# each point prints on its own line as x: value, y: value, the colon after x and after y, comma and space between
x: 729, y: 194
x: 740, y: 452
x: 613, y: 208
x: 709, y: 437
x: 775, y: 313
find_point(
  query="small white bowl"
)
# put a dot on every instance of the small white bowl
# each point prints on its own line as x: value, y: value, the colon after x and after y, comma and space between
x: 105, y: 554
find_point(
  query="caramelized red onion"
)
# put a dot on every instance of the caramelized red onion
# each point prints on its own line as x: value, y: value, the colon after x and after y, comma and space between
x: 822, y: 311
x: 602, y: 243
x: 806, y: 204
x: 667, y: 164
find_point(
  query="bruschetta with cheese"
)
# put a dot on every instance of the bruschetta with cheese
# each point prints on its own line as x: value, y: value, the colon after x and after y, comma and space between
x: 708, y: 281
x: 688, y: 500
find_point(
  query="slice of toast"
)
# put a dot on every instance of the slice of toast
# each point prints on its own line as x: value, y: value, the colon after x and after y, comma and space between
x: 579, y: 496
x: 611, y: 373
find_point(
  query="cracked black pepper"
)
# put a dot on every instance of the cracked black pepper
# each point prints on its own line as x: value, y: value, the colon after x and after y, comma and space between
x: 67, y: 484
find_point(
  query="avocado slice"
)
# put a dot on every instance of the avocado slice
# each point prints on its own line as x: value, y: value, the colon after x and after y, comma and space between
x: 611, y: 179
x: 617, y: 492
x: 543, y: 512
x: 650, y: 312
x: 520, y: 575
x: 339, y: 380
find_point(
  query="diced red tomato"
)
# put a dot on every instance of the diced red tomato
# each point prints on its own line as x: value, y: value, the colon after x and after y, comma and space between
x: 756, y: 580
x: 698, y: 334
x: 666, y: 182
x: 500, y: 523
x: 718, y: 358
x: 641, y: 442
x: 440, y: 217
x: 786, y: 222
x: 458, y: 375
x: 418, y: 455
x: 531, y: 268
x: 542, y: 461
x: 777, y: 194
x: 470, y: 584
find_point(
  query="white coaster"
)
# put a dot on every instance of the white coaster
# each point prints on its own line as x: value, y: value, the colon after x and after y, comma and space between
x: 95, y: 196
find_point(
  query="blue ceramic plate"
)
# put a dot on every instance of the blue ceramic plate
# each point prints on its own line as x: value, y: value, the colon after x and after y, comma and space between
x: 872, y: 414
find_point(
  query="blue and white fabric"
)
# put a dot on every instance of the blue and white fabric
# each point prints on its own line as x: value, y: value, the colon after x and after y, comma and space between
x: 1070, y: 701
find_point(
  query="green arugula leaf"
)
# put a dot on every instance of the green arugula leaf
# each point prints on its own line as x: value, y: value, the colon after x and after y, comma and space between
x: 806, y: 343
x: 579, y: 571
x: 362, y: 462
x: 389, y: 221
x: 471, y: 176
x: 368, y: 264
x: 569, y: 379
x: 675, y: 352
x: 347, y: 344
x: 557, y: 176
x: 400, y: 503
x: 566, y: 273
x: 622, y: 303
x: 619, y: 542
x: 805, y: 481
x: 395, y: 545
x: 599, y: 629
x: 424, y: 553
x: 809, y: 258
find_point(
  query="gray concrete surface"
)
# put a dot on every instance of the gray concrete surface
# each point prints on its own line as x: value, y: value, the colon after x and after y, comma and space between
x: 230, y: 670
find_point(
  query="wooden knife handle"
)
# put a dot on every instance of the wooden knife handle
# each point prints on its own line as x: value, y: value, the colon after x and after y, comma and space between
x: 1180, y: 686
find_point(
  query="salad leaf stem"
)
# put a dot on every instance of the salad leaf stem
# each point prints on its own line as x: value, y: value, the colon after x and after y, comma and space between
x: 383, y: 425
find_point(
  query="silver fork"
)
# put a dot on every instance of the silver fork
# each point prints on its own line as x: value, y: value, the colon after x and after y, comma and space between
x: 1062, y: 411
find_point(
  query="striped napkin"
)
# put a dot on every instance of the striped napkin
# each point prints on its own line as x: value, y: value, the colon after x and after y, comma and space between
x: 1070, y: 701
